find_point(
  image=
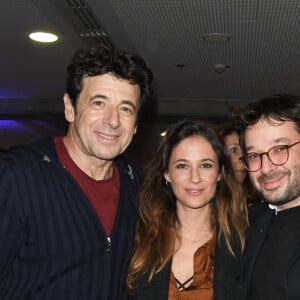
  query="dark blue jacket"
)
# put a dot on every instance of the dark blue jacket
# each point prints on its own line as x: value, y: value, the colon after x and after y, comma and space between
x: 52, y: 245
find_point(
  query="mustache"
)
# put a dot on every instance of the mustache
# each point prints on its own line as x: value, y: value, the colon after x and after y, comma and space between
x: 107, y: 130
x: 272, y: 176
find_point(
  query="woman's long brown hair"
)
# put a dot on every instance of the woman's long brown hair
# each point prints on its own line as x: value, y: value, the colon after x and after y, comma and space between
x: 157, y: 227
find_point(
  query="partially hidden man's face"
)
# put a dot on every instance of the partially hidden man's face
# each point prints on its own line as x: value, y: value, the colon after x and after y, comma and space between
x: 279, y: 185
x: 104, y: 121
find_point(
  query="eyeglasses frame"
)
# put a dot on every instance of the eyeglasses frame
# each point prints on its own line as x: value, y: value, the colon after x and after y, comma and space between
x: 243, y: 158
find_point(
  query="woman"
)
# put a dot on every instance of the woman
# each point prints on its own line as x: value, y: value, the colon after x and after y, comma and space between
x: 190, y: 233
x: 229, y: 134
x: 230, y: 137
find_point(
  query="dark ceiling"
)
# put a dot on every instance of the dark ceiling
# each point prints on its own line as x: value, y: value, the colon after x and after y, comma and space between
x: 261, y: 57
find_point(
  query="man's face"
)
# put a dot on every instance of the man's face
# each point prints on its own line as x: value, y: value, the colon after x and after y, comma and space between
x: 104, y: 121
x: 279, y: 185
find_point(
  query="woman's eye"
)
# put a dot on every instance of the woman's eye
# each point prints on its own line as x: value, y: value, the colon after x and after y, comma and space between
x: 181, y: 166
x: 233, y: 150
x: 206, y: 166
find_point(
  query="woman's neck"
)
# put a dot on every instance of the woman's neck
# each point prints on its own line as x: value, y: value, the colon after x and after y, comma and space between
x: 195, y: 224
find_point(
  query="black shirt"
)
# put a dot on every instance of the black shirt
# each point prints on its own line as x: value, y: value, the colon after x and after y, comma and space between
x: 279, y: 248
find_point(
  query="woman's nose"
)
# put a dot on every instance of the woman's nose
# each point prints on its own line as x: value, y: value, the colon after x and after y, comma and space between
x: 195, y: 175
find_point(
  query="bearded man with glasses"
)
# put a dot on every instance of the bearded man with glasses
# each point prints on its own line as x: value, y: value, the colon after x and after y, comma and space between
x: 270, y: 140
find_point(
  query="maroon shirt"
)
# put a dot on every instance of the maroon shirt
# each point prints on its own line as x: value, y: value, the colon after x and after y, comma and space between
x: 102, y: 194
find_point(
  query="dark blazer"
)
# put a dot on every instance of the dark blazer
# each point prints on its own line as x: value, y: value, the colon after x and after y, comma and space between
x: 260, y: 217
x: 226, y: 278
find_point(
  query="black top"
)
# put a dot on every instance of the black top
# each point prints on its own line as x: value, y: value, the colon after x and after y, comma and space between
x: 226, y: 276
x: 268, y: 280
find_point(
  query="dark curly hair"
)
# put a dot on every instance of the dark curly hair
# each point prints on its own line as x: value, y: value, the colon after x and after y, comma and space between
x: 102, y: 60
x: 281, y: 107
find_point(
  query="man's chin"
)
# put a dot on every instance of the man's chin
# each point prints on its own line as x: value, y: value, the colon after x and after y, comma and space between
x: 267, y: 197
x: 277, y: 201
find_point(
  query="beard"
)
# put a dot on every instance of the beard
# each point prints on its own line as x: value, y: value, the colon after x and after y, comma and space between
x: 281, y: 195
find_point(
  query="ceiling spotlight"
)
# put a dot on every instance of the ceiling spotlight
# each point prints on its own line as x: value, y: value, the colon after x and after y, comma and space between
x: 220, y: 68
x: 163, y: 133
x: 43, y: 37
x: 216, y: 38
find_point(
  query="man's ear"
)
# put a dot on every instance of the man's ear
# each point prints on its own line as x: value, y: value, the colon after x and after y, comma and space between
x: 69, y: 108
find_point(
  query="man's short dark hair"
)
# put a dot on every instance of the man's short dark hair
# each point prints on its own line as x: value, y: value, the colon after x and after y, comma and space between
x: 283, y: 107
x: 102, y: 60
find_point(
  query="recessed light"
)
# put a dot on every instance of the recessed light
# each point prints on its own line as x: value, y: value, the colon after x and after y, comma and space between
x: 43, y: 37
x: 163, y: 133
x: 220, y: 68
x: 216, y: 37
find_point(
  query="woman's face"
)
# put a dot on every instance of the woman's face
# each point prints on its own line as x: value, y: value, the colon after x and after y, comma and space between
x: 193, y: 173
x: 233, y: 148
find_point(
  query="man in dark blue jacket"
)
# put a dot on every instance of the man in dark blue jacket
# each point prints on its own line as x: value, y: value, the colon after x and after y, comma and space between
x: 67, y: 204
x: 270, y: 138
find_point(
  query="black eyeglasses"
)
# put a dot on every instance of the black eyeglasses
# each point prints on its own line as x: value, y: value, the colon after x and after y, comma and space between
x: 277, y: 155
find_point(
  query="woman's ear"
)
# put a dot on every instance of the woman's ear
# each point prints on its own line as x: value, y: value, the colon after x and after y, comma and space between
x: 167, y: 176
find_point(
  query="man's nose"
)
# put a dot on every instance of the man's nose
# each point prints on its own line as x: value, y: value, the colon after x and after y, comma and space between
x: 111, y: 117
x: 266, y: 164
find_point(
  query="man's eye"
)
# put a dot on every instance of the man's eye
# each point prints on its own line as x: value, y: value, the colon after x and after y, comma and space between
x: 279, y: 148
x: 127, y: 110
x: 252, y: 156
x: 98, y: 103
